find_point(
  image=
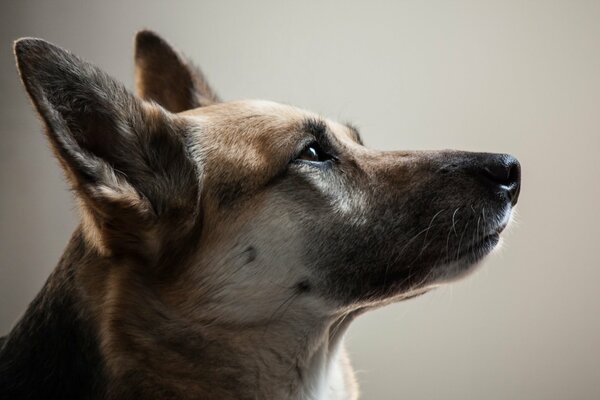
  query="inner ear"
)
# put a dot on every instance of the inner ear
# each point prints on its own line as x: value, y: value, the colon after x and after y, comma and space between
x: 164, y: 75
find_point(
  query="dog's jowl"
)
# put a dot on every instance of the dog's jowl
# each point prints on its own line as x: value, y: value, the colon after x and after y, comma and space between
x: 224, y: 247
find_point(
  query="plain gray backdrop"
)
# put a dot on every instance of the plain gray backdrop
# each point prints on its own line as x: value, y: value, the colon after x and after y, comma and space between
x: 509, y: 76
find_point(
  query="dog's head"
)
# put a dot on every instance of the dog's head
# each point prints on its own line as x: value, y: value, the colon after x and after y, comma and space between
x: 239, y: 212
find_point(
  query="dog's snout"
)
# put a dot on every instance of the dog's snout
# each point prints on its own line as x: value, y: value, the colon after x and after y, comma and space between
x: 504, y: 172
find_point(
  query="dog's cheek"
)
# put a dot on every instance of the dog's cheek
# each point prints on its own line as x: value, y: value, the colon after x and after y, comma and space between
x: 366, y: 252
x: 258, y: 259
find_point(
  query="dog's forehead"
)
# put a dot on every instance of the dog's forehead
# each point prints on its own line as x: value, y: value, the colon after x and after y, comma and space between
x: 256, y: 119
x: 249, y: 112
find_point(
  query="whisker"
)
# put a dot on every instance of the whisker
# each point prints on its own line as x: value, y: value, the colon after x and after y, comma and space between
x: 426, y: 234
x: 460, y: 241
x: 453, y: 228
x: 454, y: 222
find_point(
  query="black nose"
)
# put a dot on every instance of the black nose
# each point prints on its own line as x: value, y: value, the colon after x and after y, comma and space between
x: 503, y: 171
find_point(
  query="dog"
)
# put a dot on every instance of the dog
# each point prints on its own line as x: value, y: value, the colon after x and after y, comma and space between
x: 225, y: 247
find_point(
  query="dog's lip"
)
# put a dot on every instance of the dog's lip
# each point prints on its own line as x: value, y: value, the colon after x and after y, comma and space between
x: 487, y: 243
x: 488, y: 238
x: 498, y: 229
x: 478, y: 249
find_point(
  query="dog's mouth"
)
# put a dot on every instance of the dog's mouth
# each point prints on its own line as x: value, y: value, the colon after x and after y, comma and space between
x: 484, y: 243
x: 454, y: 265
x: 469, y: 257
x: 481, y: 248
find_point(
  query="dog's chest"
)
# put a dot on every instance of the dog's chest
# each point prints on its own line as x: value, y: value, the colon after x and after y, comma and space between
x: 328, y: 378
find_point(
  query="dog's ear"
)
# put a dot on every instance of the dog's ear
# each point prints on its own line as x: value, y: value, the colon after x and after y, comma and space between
x: 164, y: 75
x: 126, y: 159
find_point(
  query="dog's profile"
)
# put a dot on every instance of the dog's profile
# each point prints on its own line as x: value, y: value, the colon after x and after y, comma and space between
x: 224, y: 247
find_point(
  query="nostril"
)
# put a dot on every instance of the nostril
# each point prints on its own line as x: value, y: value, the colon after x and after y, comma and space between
x: 504, y: 171
x: 498, y: 173
x: 513, y: 193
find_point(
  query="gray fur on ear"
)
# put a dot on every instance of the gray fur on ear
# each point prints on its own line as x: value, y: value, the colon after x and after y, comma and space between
x: 165, y: 76
x: 126, y: 159
x: 85, y: 111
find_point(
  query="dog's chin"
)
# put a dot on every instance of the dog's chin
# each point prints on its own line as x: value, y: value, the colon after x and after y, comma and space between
x: 466, y: 262
x: 396, y: 287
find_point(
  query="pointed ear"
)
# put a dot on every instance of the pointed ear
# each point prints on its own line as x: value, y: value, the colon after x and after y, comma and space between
x: 126, y: 159
x: 164, y: 75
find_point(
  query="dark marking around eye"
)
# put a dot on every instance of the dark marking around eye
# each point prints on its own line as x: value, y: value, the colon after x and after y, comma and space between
x: 315, y: 127
x: 321, y: 134
x: 314, y: 153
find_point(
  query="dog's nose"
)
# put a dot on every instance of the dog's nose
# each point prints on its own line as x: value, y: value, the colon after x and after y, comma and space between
x: 503, y: 171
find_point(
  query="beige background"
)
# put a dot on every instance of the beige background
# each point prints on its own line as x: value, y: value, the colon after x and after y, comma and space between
x: 511, y: 76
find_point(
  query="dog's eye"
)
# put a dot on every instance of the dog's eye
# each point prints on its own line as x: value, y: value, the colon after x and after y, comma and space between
x: 313, y: 153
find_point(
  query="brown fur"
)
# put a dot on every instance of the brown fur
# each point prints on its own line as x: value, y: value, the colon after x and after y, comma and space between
x: 214, y: 262
x: 167, y: 77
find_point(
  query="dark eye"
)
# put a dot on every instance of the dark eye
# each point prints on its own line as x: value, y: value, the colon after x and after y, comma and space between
x: 313, y: 153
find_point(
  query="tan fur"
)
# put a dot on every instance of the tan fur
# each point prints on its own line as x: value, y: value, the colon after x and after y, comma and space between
x: 216, y: 259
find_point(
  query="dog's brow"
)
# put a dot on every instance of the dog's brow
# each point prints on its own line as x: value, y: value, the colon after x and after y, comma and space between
x: 318, y: 128
x: 354, y: 133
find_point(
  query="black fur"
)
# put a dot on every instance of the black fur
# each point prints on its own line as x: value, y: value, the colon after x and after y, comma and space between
x: 53, y: 353
x: 303, y: 286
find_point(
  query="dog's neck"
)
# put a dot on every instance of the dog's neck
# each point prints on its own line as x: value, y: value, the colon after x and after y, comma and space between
x: 224, y: 361
x: 277, y: 364
x: 65, y: 346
